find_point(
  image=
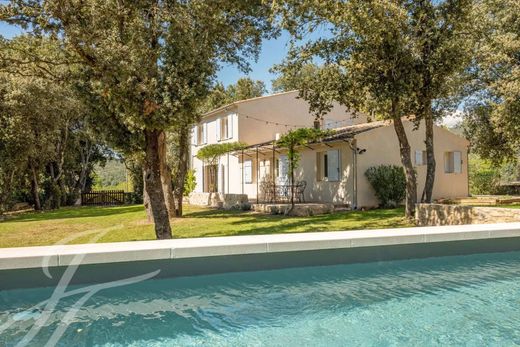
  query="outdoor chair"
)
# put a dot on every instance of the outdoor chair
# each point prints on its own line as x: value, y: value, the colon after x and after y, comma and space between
x: 300, y: 191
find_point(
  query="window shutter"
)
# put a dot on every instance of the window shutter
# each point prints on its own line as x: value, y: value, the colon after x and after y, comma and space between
x: 283, y: 169
x: 195, y: 133
x: 218, y: 129
x: 248, y: 171
x: 205, y: 133
x: 230, y: 126
x: 333, y: 165
x: 419, y: 158
x: 457, y: 162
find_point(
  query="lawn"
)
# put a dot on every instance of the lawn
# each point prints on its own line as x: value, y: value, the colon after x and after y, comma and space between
x: 128, y: 223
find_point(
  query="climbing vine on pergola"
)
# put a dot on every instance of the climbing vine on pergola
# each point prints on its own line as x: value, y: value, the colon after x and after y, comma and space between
x: 211, y: 153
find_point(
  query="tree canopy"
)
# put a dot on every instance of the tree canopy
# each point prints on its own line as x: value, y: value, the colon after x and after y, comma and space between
x: 245, y: 88
x: 492, y: 118
x: 150, y: 64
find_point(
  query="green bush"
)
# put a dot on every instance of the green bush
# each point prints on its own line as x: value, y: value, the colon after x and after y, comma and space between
x: 389, y: 183
x: 190, y: 182
x: 484, y: 182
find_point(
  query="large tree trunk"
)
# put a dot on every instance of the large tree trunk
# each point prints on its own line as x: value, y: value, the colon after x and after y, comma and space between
x: 406, y: 160
x: 35, y: 187
x: 153, y: 185
x: 182, y: 168
x: 166, y: 176
x: 430, y: 159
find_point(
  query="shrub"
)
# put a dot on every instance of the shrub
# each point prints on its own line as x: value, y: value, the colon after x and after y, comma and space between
x: 484, y: 182
x: 389, y: 183
x: 190, y: 182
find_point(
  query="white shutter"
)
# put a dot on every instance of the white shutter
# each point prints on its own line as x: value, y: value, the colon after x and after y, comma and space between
x: 220, y: 178
x: 333, y: 165
x: 195, y: 133
x: 457, y: 162
x: 248, y: 171
x: 218, y: 129
x: 419, y: 158
x: 205, y: 133
x: 230, y: 126
x: 283, y: 169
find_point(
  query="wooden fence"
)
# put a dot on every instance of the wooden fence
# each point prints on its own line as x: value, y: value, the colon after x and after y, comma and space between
x: 103, y: 197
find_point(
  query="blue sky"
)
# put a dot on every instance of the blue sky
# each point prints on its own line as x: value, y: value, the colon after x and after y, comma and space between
x: 273, y: 52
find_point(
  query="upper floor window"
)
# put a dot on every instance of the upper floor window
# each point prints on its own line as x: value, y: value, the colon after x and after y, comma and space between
x: 420, y: 158
x: 201, y: 134
x: 225, y: 128
x: 328, y: 165
x: 453, y: 162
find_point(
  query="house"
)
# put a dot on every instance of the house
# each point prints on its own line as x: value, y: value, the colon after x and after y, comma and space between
x: 333, y: 169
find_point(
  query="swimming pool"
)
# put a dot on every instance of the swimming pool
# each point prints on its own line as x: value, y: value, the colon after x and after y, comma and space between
x: 464, y: 300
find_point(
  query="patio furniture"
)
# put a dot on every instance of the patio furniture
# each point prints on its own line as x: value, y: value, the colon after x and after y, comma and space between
x: 299, y: 192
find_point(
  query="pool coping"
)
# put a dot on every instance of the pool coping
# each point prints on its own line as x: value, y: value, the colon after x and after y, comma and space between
x: 138, y: 251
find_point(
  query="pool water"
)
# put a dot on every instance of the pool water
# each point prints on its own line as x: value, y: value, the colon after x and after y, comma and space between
x: 460, y: 301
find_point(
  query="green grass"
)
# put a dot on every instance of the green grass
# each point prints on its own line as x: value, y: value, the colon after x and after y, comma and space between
x: 128, y: 223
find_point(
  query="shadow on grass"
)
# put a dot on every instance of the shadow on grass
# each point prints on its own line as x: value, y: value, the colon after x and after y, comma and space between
x: 260, y: 224
x: 74, y: 212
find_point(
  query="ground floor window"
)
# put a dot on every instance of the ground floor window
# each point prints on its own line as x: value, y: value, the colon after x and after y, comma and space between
x: 453, y: 162
x: 328, y: 165
x: 420, y: 158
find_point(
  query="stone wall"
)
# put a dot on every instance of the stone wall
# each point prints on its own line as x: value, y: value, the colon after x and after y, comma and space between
x: 220, y: 200
x: 300, y: 210
x: 438, y: 214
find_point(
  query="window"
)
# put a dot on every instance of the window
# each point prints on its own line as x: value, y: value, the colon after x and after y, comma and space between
x: 328, y: 164
x: 248, y: 171
x: 201, y: 134
x: 453, y: 162
x: 420, y: 158
x: 225, y: 128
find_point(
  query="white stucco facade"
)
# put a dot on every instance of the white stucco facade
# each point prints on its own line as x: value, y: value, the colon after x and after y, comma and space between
x: 333, y: 171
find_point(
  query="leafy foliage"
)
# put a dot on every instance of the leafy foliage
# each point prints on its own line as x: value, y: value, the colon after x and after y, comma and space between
x: 493, y: 116
x: 190, y: 183
x: 290, y: 80
x: 486, y: 177
x: 111, y: 174
x: 245, y: 88
x: 46, y: 136
x: 389, y: 184
x: 212, y: 152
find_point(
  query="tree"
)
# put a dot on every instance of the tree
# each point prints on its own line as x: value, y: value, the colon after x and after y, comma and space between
x: 245, y: 88
x: 295, y: 80
x: 151, y: 63
x: 440, y: 34
x: 47, y: 116
x: 369, y: 63
x: 492, y: 117
x: 291, y: 141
